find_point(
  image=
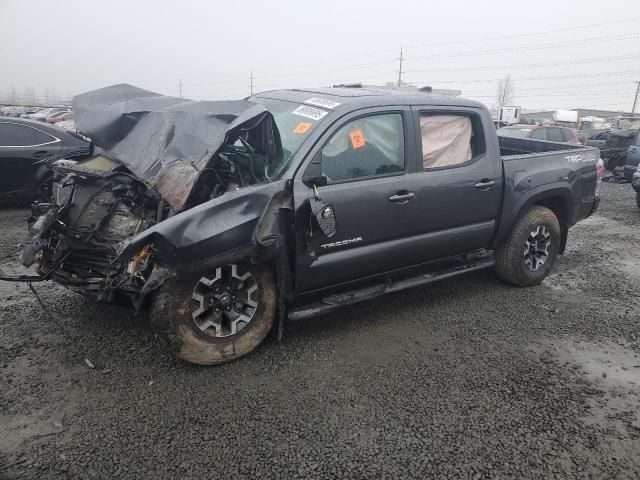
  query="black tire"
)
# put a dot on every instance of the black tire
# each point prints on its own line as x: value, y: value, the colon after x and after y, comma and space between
x: 638, y: 199
x: 511, y: 259
x: 171, y: 310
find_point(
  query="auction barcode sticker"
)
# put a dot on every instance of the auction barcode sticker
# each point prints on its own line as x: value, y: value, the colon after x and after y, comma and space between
x: 323, y: 102
x: 310, y: 112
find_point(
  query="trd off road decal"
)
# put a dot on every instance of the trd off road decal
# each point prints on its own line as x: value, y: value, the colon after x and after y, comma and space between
x: 581, y: 157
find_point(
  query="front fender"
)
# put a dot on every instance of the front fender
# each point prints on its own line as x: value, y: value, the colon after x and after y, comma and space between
x: 220, y: 226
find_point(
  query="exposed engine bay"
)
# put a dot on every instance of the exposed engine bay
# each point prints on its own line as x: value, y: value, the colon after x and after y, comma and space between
x: 99, y: 204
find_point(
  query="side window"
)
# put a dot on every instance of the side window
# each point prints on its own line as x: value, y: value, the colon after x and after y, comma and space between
x: 14, y: 135
x: 365, y: 147
x: 539, y: 134
x: 41, y: 137
x: 555, y: 135
x: 450, y: 139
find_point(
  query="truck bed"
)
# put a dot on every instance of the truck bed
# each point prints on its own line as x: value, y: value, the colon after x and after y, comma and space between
x: 532, y: 167
x: 510, y: 146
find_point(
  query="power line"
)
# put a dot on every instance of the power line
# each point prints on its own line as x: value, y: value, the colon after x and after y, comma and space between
x: 546, y: 77
x: 573, y: 94
x: 530, y: 34
x: 530, y: 65
x: 571, y: 43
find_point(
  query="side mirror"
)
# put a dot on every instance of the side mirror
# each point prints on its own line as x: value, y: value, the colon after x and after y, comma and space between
x: 313, y: 175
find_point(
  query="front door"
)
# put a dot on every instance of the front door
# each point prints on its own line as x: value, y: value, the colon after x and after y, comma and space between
x: 368, y: 163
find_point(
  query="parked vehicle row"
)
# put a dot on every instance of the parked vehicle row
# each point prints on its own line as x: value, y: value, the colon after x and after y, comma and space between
x: 42, y: 114
x: 616, y: 146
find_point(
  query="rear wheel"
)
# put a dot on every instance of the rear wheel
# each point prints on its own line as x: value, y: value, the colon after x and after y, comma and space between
x: 219, y: 316
x: 528, y: 254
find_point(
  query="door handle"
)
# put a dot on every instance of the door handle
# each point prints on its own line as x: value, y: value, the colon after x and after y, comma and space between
x: 402, y: 197
x: 485, y: 184
x: 41, y: 153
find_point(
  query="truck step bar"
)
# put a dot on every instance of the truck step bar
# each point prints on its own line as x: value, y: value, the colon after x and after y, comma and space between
x: 333, y: 302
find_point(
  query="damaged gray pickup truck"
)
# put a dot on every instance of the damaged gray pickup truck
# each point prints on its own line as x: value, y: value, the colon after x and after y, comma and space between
x: 227, y: 218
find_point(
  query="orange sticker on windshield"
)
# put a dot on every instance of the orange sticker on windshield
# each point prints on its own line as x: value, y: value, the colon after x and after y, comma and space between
x: 357, y: 138
x: 302, y: 128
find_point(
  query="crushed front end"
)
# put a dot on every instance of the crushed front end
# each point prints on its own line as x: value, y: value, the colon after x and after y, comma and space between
x: 164, y: 166
x: 96, y: 205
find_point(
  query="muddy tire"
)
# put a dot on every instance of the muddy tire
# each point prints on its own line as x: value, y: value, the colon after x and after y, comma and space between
x: 528, y: 254
x: 638, y: 199
x: 187, y: 311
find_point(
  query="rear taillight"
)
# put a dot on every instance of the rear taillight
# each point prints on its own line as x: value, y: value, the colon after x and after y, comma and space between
x: 599, y: 173
x: 599, y: 168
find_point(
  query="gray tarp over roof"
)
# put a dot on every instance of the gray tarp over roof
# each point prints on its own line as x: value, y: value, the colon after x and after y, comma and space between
x: 165, y: 141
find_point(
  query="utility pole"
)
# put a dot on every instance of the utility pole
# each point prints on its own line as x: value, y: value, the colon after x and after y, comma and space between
x: 180, y: 88
x: 400, y: 72
x: 251, y: 82
x: 635, y: 100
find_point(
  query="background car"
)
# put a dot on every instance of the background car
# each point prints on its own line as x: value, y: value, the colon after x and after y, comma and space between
x: 633, y: 158
x: 26, y: 149
x: 60, y: 116
x: 69, y: 124
x: 44, y: 113
x: 26, y: 111
x: 541, y: 132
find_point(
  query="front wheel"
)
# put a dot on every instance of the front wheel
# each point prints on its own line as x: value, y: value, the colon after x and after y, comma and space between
x: 219, y: 316
x: 528, y: 254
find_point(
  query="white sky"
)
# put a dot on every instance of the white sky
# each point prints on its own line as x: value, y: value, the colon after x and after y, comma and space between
x: 211, y: 46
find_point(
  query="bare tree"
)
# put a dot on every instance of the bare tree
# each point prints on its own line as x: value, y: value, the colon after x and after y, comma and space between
x: 506, y: 91
x: 12, y: 95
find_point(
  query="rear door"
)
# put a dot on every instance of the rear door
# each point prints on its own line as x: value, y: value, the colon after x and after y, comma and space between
x: 460, y: 183
x: 22, y: 147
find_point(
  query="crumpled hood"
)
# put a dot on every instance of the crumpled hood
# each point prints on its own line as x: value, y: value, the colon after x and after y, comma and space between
x: 165, y: 141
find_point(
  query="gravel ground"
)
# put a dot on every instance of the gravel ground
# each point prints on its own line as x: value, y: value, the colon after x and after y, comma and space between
x: 467, y: 378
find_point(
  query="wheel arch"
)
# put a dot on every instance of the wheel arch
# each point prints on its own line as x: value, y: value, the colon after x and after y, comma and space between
x: 556, y: 198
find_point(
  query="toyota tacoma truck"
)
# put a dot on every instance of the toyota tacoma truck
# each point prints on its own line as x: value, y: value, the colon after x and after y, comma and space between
x: 226, y: 219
